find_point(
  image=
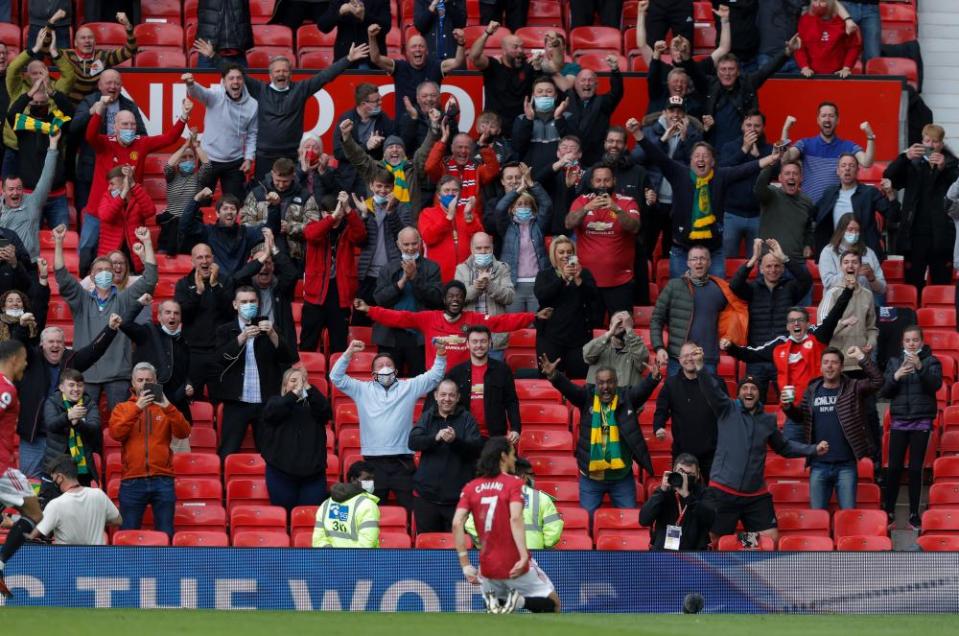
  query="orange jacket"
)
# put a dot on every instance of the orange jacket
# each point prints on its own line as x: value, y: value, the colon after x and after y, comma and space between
x: 145, y: 436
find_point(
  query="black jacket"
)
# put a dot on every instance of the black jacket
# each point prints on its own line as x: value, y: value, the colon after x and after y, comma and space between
x: 349, y: 30
x: 271, y: 362
x: 225, y: 24
x: 58, y: 430
x: 740, y: 199
x: 170, y: 355
x: 428, y: 24
x: 203, y: 313
x: 285, y: 276
x: 572, y: 307
x: 684, y: 149
x: 35, y: 386
x: 78, y: 128
x: 427, y: 291
x: 590, y: 119
x: 662, y: 509
x: 768, y: 309
x: 500, y: 402
x: 293, y: 435
x: 444, y: 468
x: 925, y: 192
x: 866, y: 201
x: 22, y: 276
x: 231, y: 245
x: 631, y: 401
x: 694, y: 423
x: 914, y: 395
x: 32, y: 147
x: 744, y: 96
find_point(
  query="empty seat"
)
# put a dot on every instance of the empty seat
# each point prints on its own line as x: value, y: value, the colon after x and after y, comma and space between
x: 159, y: 33
x: 574, y: 518
x: 435, y: 541
x: 167, y: 10
x: 243, y: 465
x: 554, y: 465
x: 574, y: 541
x: 615, y: 519
x: 256, y: 517
x: 272, y: 35
x: 945, y: 469
x: 802, y: 521
x: 201, y: 538
x: 261, y: 539
x: 246, y: 491
x: 938, y: 542
x: 532, y: 441
x: 196, y: 465
x: 622, y: 541
x: 941, y: 521
x: 198, y: 516
x: 261, y: 56
x: 199, y: 489
x: 107, y: 34
x: 161, y: 58
x: 863, y: 543
x: 203, y: 439
x: 395, y: 540
x: 805, y: 543
x: 859, y: 522
x: 141, y: 538
x: 559, y: 489
x: 590, y: 39
x: 539, y: 414
x: 900, y: 295
x: 938, y: 295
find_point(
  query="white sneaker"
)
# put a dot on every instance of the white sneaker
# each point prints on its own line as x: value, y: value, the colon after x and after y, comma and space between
x: 509, y: 606
x: 492, y: 603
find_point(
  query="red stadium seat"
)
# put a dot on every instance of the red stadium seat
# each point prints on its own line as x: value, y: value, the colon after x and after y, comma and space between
x: 436, y: 541
x: 537, y: 390
x: 621, y: 541
x: 894, y: 270
x: 938, y: 543
x: 272, y: 35
x: 189, y: 516
x: 243, y: 465
x: 863, y: 543
x: 313, y: 362
x: 199, y: 489
x: 859, y: 522
x: 156, y: 58
x: 785, y: 469
x: 554, y: 466
x: 939, y: 296
x: 534, y: 37
x: 349, y: 438
x: 937, y: 317
x: 246, y: 491
x: 945, y: 469
x: 591, y: 39
x: 495, y: 41
x: 393, y: 517
x: 805, y: 543
x: 261, y: 539
x: 615, y: 519
x: 574, y: 517
x: 574, y: 541
x: 941, y: 521
x: 256, y: 517
x: 309, y: 37
x: 523, y: 339
x: 196, y: 465
x: 202, y: 413
x: 731, y: 543
x: 534, y: 441
x: 159, y: 34
x: 141, y: 538
x: 544, y: 13
x: 261, y: 11
x: 944, y: 495
x: 794, y: 494
x: 561, y: 490
x: 108, y: 34
x: 521, y: 360
x: 201, y: 538
x: 597, y: 61
x: 11, y: 36
x: 395, y: 540
x: 548, y: 415
x: 316, y: 59
x: 900, y: 295
x: 261, y: 56
x: 150, y: 12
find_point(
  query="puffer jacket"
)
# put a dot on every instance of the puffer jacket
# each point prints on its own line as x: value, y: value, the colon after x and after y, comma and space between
x: 216, y: 23
x: 145, y: 437
x: 674, y: 311
x: 393, y: 222
x: 510, y: 229
x: 914, y: 395
x: 297, y: 208
x: 768, y: 308
x: 926, y: 189
x: 850, y: 407
x: 498, y: 295
x: 740, y: 460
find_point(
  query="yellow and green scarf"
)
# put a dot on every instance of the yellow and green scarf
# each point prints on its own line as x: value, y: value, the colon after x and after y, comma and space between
x: 401, y: 189
x: 703, y: 217
x: 25, y: 122
x: 75, y: 442
x: 604, y: 454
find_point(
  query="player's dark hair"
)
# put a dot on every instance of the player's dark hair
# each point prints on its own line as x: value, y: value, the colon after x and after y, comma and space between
x: 523, y: 467
x: 10, y: 348
x: 358, y: 468
x: 488, y: 465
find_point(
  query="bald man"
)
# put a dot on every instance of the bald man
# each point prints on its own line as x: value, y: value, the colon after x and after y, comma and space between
x: 86, y: 62
x: 205, y: 296
x: 489, y: 286
x: 507, y: 80
x: 411, y: 283
x: 418, y: 67
x: 590, y: 111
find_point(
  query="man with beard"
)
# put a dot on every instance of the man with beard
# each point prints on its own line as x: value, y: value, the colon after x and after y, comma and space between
x: 297, y: 207
x: 590, y: 111
x: 620, y: 349
x: 742, y: 208
x: 606, y: 223
x: 229, y: 128
x: 508, y: 80
x: 785, y: 213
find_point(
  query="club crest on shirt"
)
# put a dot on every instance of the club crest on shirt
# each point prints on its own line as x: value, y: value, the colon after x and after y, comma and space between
x: 134, y: 155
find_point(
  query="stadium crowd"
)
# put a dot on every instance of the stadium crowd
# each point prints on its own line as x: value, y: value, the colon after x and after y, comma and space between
x: 445, y: 273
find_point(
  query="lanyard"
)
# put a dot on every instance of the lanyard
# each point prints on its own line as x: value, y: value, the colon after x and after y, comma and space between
x: 682, y: 510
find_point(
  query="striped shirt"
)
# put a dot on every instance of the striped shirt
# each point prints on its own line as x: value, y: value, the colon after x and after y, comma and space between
x: 87, y: 71
x: 819, y: 161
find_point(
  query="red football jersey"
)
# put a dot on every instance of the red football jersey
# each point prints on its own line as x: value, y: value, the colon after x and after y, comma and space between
x: 488, y: 498
x: 9, y: 413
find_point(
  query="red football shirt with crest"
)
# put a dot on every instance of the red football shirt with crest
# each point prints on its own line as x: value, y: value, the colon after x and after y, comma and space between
x: 488, y: 498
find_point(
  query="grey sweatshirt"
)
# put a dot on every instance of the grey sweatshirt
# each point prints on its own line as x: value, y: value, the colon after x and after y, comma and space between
x: 229, y: 127
x: 25, y: 220
x: 89, y: 319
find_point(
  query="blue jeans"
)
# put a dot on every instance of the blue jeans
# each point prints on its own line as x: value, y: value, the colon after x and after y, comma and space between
x: 622, y: 492
x: 89, y: 239
x: 31, y: 456
x: 524, y: 299
x: 137, y: 494
x: 789, y: 67
x: 289, y: 491
x: 57, y: 212
x: 673, y: 367
x: 866, y: 16
x: 823, y: 478
x: 736, y: 230
x: 678, y: 266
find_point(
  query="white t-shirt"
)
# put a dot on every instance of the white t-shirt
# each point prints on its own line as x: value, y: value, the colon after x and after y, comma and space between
x: 78, y: 517
x: 843, y: 205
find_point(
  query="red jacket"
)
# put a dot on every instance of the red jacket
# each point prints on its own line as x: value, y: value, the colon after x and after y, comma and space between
x: 110, y: 154
x: 120, y: 217
x: 318, y: 255
x: 448, y: 242
x: 826, y: 47
x: 473, y: 176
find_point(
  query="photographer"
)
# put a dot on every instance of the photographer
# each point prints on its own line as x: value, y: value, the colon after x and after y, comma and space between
x: 675, y: 513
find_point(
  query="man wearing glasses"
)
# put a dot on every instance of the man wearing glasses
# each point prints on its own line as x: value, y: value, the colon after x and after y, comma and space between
x: 371, y: 128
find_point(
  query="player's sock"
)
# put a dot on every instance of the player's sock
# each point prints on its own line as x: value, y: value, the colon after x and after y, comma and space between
x: 537, y: 604
x: 16, y: 537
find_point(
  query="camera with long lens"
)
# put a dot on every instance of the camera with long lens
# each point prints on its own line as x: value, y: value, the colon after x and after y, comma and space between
x: 675, y: 480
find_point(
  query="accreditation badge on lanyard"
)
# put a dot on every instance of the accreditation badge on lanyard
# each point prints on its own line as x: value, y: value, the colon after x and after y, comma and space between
x: 674, y: 533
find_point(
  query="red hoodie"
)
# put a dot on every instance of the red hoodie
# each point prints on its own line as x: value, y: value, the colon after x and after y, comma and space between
x: 119, y: 218
x: 826, y: 48
x: 319, y: 258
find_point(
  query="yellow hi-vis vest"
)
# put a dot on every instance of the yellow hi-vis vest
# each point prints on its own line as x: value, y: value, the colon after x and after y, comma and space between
x: 543, y: 524
x: 354, y: 523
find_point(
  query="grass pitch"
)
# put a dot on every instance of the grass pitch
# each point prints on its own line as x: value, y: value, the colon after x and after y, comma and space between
x: 81, y: 622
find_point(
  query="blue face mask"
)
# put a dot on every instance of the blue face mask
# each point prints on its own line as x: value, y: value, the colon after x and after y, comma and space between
x: 851, y: 238
x: 523, y: 215
x: 380, y: 200
x: 544, y: 104
x: 376, y: 110
x: 248, y: 311
x: 446, y: 199
x: 187, y: 167
x: 104, y: 279
x: 127, y: 136
x: 483, y: 260
x: 115, y: 193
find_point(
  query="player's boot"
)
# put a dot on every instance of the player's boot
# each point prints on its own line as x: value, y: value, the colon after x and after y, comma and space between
x: 492, y: 603
x: 509, y: 605
x: 4, y: 590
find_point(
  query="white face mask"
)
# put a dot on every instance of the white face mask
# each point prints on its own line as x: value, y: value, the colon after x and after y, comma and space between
x: 14, y: 313
x: 385, y: 376
x: 170, y: 332
x: 409, y: 257
x: 367, y: 485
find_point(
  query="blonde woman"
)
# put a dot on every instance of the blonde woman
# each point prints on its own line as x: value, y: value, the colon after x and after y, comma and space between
x: 571, y: 291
